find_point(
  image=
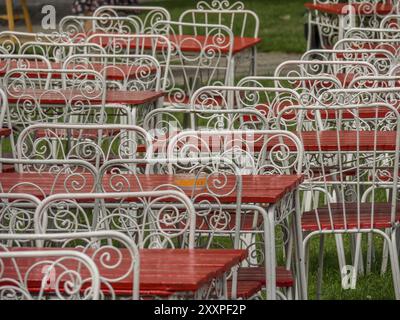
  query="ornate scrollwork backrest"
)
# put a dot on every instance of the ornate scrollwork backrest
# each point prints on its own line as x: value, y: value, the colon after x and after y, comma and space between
x: 349, y: 150
x: 152, y: 219
x: 382, y: 60
x: 370, y: 13
x: 124, y: 71
x: 54, y: 95
x: 364, y: 94
x: 17, y: 214
x: 58, y: 274
x: 145, y: 16
x: 267, y: 100
x: 11, y: 41
x: 262, y: 151
x: 114, y: 255
x: 343, y: 71
x: 92, y: 143
x: 207, y: 181
x: 157, y: 46
x: 243, y: 22
x: 9, y: 62
x: 59, y: 52
x: 43, y: 178
x: 198, y: 60
x: 373, y: 33
x: 309, y: 88
x: 391, y: 21
x: 78, y: 28
x: 391, y: 45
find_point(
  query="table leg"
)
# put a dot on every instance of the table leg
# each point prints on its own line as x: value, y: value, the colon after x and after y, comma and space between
x: 10, y: 14
x: 299, y: 250
x: 254, y: 61
x: 269, y: 226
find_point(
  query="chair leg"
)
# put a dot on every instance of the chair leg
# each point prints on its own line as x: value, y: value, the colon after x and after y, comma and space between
x: 27, y: 16
x: 10, y: 15
x: 394, y: 260
x: 357, y: 258
x: 385, y: 255
x: 320, y: 266
x: 340, y: 251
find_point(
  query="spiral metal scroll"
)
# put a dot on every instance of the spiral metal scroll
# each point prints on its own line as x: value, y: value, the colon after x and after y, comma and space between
x: 66, y: 277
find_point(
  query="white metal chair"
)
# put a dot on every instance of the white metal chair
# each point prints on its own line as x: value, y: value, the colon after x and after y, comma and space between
x: 357, y: 177
x: 92, y: 143
x: 157, y: 46
x: 93, y: 245
x: 353, y: 13
x: 201, y: 55
x: 21, y: 268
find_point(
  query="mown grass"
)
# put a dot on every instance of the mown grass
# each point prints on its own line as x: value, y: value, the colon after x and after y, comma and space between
x: 373, y: 286
x: 281, y: 21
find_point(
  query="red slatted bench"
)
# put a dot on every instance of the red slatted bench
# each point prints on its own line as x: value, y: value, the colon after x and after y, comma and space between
x: 381, y: 220
x: 252, y: 280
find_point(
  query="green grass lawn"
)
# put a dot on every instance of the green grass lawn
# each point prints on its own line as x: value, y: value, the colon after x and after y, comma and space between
x: 368, y: 287
x: 281, y: 21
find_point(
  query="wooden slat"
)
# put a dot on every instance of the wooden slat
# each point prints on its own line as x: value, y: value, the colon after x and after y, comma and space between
x: 164, y: 270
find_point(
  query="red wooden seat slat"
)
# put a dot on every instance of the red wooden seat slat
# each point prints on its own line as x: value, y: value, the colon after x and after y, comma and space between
x: 381, y: 219
x: 284, y: 278
x: 5, y: 132
x: 247, y: 222
x: 245, y: 288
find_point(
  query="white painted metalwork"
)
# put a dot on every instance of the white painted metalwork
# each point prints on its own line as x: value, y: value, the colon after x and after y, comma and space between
x: 92, y: 143
x: 66, y: 274
x: 351, y: 179
x: 207, y: 62
x: 78, y: 28
x: 105, y: 248
x: 145, y: 16
x: 382, y: 60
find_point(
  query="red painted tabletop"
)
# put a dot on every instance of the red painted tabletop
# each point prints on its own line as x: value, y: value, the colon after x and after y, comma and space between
x: 60, y: 97
x: 344, y: 8
x: 189, y: 43
x: 165, y: 270
x: 256, y: 188
x: 117, y: 72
